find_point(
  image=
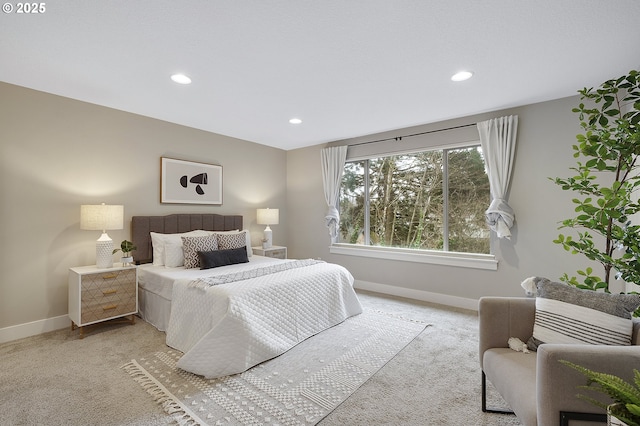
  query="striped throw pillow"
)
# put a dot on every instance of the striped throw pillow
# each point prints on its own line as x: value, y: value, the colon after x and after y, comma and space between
x: 567, y: 314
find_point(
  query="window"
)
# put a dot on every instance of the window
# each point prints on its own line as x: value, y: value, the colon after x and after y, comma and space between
x: 428, y: 200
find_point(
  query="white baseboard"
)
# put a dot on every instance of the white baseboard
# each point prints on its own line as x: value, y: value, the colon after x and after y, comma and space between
x: 425, y: 296
x: 51, y: 324
x: 29, y: 329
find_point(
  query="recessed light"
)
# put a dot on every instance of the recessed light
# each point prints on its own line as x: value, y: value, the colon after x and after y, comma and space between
x: 462, y: 75
x: 295, y: 121
x: 181, y: 79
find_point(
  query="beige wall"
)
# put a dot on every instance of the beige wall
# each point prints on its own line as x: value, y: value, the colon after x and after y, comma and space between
x: 57, y: 153
x: 545, y: 135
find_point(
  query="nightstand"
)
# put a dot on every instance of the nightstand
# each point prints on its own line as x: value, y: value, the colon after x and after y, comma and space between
x: 100, y: 294
x: 277, y: 252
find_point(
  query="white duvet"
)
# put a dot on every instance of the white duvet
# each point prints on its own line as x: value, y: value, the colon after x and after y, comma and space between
x: 228, y: 328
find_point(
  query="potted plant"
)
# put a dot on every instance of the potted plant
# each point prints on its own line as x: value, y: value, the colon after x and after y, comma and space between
x: 625, y: 408
x: 126, y: 247
x: 605, y: 184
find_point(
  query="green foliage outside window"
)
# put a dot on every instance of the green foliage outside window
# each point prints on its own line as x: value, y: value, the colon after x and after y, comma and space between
x: 407, y: 199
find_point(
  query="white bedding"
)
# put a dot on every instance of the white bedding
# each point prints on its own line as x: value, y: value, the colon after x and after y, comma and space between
x: 155, y: 286
x: 228, y: 328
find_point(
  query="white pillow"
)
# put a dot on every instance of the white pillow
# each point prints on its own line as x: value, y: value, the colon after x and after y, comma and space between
x: 248, y: 235
x: 247, y: 238
x: 158, y: 242
x: 173, y: 255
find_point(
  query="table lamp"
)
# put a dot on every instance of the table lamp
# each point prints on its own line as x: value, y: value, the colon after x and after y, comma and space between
x: 101, y: 217
x: 268, y: 217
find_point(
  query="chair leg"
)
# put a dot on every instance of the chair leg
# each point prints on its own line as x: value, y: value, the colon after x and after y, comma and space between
x: 484, y: 399
x: 484, y: 393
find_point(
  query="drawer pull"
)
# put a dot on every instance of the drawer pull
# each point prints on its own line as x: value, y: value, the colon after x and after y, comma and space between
x: 108, y: 292
x: 110, y: 307
x: 109, y: 276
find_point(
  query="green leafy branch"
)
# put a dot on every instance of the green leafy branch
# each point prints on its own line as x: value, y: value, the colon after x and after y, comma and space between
x: 606, y: 183
x: 626, y: 396
x: 126, y: 247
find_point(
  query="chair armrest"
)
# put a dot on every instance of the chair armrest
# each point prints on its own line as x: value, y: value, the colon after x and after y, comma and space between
x: 503, y: 317
x: 557, y: 384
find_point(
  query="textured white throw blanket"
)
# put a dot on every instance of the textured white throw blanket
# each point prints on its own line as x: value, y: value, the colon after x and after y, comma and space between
x: 207, y: 282
x: 228, y: 328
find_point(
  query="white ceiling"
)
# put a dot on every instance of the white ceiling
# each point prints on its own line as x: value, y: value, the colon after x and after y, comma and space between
x: 346, y: 68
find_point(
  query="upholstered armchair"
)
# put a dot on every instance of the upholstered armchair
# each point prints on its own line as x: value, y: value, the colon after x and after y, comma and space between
x: 539, y: 389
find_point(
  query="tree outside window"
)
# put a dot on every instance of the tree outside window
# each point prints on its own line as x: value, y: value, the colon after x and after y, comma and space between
x: 429, y: 200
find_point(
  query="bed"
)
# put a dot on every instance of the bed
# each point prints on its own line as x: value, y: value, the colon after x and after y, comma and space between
x: 227, y: 319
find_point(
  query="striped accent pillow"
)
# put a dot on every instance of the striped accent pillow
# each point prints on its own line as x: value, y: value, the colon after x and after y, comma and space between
x: 567, y: 314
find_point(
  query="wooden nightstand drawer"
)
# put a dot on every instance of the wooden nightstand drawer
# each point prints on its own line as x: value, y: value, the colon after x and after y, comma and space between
x: 100, y: 294
x: 277, y: 252
x: 105, y: 295
x: 97, y: 312
x: 111, y: 284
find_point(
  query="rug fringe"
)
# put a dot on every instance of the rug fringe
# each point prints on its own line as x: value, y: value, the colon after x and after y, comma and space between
x: 171, y: 405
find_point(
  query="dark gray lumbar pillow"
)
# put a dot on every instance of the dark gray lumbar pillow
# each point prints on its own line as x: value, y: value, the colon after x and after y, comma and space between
x: 567, y: 314
x: 216, y: 258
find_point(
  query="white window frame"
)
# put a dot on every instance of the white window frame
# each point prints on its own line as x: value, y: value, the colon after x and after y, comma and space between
x: 437, y: 257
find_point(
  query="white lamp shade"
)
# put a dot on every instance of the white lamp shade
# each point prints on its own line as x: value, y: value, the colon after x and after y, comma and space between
x: 101, y: 217
x: 268, y: 216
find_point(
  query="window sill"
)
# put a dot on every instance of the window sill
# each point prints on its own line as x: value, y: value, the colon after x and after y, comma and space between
x: 446, y: 258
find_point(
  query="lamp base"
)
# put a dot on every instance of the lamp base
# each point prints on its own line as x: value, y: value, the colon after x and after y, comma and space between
x: 104, y: 251
x: 267, y: 242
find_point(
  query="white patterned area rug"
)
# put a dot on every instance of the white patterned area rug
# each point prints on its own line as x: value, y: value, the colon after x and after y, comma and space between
x: 300, y: 387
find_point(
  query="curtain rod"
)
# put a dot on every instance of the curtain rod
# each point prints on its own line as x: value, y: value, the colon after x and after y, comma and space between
x: 399, y: 138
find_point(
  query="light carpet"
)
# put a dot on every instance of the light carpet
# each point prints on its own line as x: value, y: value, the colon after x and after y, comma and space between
x: 299, y: 387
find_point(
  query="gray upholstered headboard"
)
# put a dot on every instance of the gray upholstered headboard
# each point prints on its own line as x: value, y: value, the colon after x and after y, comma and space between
x: 172, y: 224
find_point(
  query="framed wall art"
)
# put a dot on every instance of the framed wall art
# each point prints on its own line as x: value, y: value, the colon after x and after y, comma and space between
x: 188, y: 182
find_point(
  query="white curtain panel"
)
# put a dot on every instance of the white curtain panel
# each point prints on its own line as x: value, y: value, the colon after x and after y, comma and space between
x: 498, y: 139
x: 333, y: 159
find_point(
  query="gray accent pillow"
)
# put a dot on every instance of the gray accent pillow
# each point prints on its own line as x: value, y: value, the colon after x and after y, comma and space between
x: 567, y: 320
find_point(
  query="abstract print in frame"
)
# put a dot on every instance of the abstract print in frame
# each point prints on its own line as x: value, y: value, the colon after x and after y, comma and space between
x: 188, y: 182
